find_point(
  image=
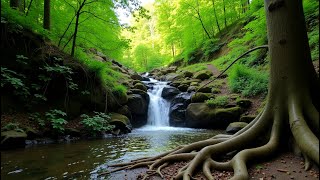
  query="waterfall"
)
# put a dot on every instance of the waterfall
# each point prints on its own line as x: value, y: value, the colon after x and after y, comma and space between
x: 158, y: 110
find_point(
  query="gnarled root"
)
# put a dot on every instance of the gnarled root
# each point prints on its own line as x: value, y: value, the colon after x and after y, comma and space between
x: 203, y: 155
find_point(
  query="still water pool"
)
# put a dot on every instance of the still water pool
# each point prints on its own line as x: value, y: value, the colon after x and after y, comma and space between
x: 83, y: 159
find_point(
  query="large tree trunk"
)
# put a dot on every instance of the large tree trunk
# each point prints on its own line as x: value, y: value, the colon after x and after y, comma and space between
x: 292, y: 110
x: 46, y: 14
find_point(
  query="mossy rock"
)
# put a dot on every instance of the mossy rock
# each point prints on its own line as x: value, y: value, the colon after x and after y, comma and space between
x: 31, y: 132
x: 140, y: 86
x: 122, y: 98
x: 135, y: 82
x: 138, y: 104
x: 199, y: 115
x: 187, y: 74
x: 192, y: 89
x: 124, y: 110
x: 173, y: 76
x: 183, y: 87
x: 247, y: 118
x: 175, y: 84
x: 194, y: 84
x: 202, y: 75
x: 215, y: 91
x: 169, y: 92
x: 233, y: 96
x: 13, y: 139
x: 120, y: 122
x: 235, y: 127
x: 136, y: 77
x: 244, y: 103
x: 200, y: 97
x: 205, y: 89
x: 141, y: 92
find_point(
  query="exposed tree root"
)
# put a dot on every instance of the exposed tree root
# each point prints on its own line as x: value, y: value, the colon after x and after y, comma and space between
x: 203, y: 155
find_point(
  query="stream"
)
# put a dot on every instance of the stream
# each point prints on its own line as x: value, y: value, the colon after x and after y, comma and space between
x: 85, y: 158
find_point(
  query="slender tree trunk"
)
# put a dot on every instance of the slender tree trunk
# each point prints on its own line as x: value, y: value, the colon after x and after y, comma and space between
x: 29, y: 6
x: 224, y: 14
x: 46, y: 15
x: 203, y: 27
x: 75, y: 34
x: 215, y: 15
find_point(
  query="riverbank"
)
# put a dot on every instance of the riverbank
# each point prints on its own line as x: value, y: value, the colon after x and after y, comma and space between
x: 284, y: 166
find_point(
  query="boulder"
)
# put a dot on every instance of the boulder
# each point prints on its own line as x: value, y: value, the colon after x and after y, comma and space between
x: 169, y: 92
x: 31, y: 132
x: 176, y: 83
x: 178, y: 108
x: 140, y: 86
x: 183, y: 87
x: 172, y: 77
x: 124, y: 110
x: 187, y: 74
x: 145, y: 78
x: 205, y: 89
x: 142, y: 93
x: 244, y: 103
x: 200, y: 97
x: 235, y: 127
x: 247, y: 118
x: 137, y: 104
x: 202, y: 75
x: 13, y: 139
x: 191, y: 89
x: 121, y: 97
x: 215, y: 91
x: 136, y: 77
x: 120, y: 122
x: 139, y: 120
x: 199, y: 115
x: 177, y: 115
x: 194, y: 83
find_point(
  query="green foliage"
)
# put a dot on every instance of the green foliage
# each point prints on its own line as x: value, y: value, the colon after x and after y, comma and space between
x: 97, y: 123
x: 14, y: 79
x: 57, y: 119
x: 119, y: 90
x: 12, y: 127
x: 314, y: 43
x: 219, y: 101
x: 248, y: 81
x: 37, y: 117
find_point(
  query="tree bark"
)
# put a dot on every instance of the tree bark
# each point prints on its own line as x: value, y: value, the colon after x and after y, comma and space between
x: 46, y: 15
x: 215, y: 15
x: 224, y: 14
x: 75, y: 34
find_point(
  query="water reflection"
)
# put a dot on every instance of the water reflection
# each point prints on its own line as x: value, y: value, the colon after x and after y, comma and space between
x: 83, y: 159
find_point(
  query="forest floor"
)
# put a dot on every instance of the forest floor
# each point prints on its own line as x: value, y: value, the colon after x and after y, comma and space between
x: 284, y: 166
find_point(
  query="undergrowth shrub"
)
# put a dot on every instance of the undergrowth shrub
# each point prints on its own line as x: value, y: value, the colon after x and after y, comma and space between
x: 247, y: 81
x: 57, y: 120
x: 12, y: 127
x: 219, y: 101
x: 96, y: 123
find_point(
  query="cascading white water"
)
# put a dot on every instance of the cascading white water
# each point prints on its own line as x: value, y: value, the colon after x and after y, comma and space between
x: 158, y: 111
